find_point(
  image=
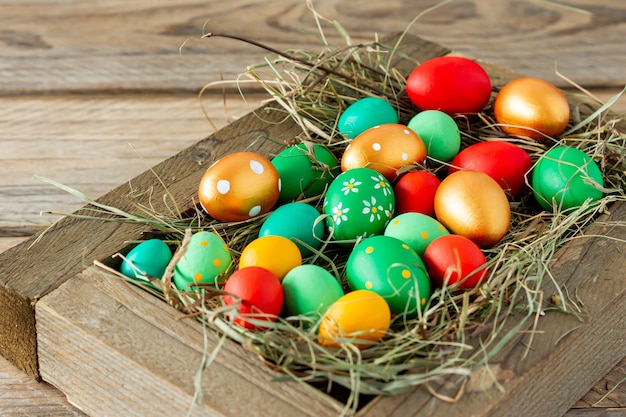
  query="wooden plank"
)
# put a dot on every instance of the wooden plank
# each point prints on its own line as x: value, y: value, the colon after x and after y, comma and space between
x: 97, y: 334
x: 567, y: 355
x: 55, y: 45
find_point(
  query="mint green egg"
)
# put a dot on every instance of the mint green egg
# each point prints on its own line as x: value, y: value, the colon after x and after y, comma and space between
x: 150, y: 257
x: 390, y: 268
x: 358, y: 203
x: 364, y: 114
x: 207, y: 257
x: 309, y: 290
x: 416, y: 230
x: 564, y: 178
x: 299, y: 222
x: 439, y: 132
x: 303, y: 171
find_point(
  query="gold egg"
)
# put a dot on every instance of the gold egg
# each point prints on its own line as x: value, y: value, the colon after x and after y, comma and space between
x: 531, y: 107
x: 472, y: 204
x: 384, y: 148
x: 239, y: 186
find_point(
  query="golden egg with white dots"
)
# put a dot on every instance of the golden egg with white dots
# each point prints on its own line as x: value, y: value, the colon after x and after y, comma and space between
x: 391, y: 269
x: 384, y: 148
x: 239, y: 186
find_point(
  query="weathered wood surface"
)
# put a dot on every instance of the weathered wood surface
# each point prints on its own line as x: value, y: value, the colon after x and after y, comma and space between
x: 85, y: 79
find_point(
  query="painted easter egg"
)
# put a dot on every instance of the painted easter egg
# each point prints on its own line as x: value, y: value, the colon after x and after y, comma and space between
x: 150, y: 257
x: 455, y: 260
x: 472, y: 204
x: 505, y: 162
x: 416, y: 230
x: 439, y: 132
x: 450, y: 84
x: 531, y: 107
x: 277, y: 254
x: 360, y: 317
x: 239, y: 186
x: 260, y: 295
x: 364, y: 114
x: 390, y: 268
x: 207, y: 257
x: 299, y: 222
x: 384, y: 148
x: 415, y: 192
x: 565, y: 177
x: 309, y: 290
x: 304, y: 171
x: 358, y: 203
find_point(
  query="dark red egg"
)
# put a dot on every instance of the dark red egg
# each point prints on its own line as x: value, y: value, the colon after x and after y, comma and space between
x: 415, y: 192
x: 451, y: 84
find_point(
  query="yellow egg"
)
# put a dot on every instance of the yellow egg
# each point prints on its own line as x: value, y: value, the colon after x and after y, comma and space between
x: 472, y: 204
x: 361, y: 317
x: 239, y: 186
x: 531, y: 107
x: 384, y: 148
x: 277, y: 254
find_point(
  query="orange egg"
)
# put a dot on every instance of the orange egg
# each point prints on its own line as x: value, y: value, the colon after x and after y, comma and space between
x: 531, y: 107
x: 239, y: 186
x: 277, y: 254
x: 361, y: 317
x: 472, y: 204
x: 384, y: 148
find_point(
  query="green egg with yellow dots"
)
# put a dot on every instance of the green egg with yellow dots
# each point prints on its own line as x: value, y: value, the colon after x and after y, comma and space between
x: 416, y: 230
x: 390, y: 268
x: 205, y: 261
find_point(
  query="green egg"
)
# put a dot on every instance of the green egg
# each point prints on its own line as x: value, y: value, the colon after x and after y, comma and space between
x: 390, y: 268
x: 297, y: 221
x: 309, y: 290
x: 358, y: 203
x: 565, y: 177
x: 304, y: 172
x: 439, y: 132
x: 364, y: 114
x: 206, y: 258
x: 150, y: 257
x: 416, y: 230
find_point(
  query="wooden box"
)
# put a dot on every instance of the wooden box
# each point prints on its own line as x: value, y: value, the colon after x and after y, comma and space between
x: 113, y: 349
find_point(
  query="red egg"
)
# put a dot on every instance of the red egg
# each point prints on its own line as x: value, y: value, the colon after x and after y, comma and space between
x: 260, y: 292
x: 455, y: 260
x: 451, y: 84
x: 505, y: 162
x: 415, y: 192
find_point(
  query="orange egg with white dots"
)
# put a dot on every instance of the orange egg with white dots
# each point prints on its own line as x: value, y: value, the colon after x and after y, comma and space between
x: 239, y: 186
x: 384, y: 148
x: 206, y: 261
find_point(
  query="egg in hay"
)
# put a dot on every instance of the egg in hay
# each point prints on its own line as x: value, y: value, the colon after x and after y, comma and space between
x: 360, y: 317
x: 415, y: 192
x: 384, y: 148
x: 309, y: 290
x: 277, y: 254
x: 205, y: 260
x: 365, y: 113
x: 150, y: 258
x: 439, y: 132
x: 391, y: 269
x: 239, y: 186
x: 416, y: 230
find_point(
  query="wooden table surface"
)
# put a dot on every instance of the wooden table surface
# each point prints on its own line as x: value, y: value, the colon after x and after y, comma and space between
x: 94, y: 93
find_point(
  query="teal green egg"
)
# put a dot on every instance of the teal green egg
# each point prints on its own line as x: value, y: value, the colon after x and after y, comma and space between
x: 364, y: 114
x: 358, y: 203
x: 416, y: 230
x: 439, y: 132
x: 566, y: 177
x: 150, y: 257
x: 304, y: 171
x: 390, y: 268
x: 207, y: 257
x: 309, y: 290
x: 300, y: 222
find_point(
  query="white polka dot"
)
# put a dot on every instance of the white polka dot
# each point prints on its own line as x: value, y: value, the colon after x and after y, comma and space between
x: 407, y: 131
x: 280, y: 185
x: 223, y: 186
x: 405, y: 156
x: 376, y: 146
x: 376, y: 127
x: 254, y: 211
x: 348, y: 147
x: 256, y: 167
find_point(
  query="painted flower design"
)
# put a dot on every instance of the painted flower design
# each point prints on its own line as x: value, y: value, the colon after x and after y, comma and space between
x: 339, y: 213
x: 375, y: 211
x: 381, y: 184
x: 351, y: 186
